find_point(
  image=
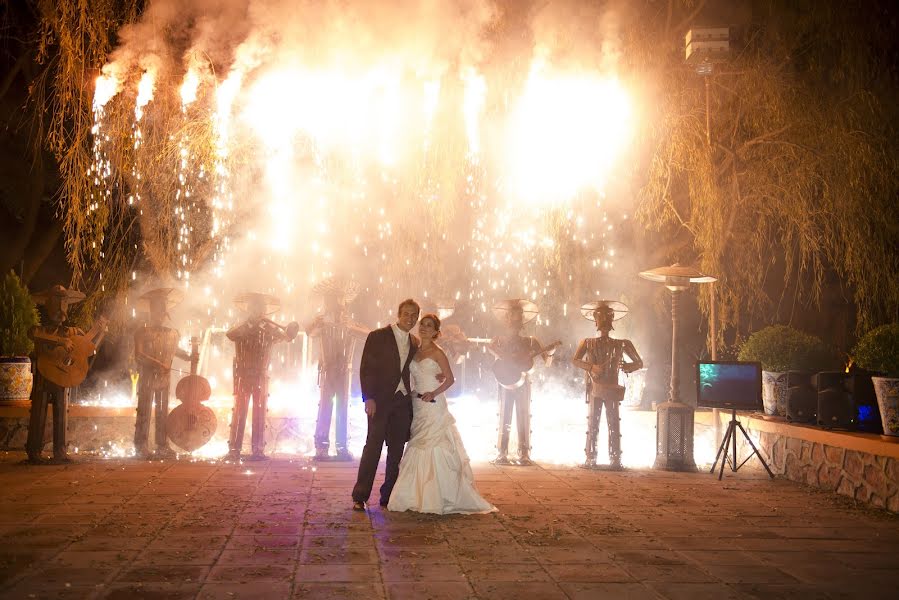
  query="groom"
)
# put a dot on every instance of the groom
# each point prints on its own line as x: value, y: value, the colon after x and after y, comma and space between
x: 384, y: 378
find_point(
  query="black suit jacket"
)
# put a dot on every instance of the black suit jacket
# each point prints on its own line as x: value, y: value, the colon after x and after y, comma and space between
x: 380, y: 373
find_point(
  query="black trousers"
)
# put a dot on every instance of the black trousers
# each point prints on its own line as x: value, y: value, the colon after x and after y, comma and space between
x: 391, y: 424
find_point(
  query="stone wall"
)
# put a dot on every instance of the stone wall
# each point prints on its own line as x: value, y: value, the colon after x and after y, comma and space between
x: 866, y: 477
x: 99, y: 436
x: 108, y: 432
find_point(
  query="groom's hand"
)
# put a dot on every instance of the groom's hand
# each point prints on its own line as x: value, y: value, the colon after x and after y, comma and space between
x: 370, y: 407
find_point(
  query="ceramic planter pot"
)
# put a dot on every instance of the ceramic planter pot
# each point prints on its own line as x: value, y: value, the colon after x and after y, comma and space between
x: 774, y: 392
x: 15, y: 381
x: 887, y: 390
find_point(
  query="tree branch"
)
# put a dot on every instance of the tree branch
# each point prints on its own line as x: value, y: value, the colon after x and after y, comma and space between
x: 10, y: 77
x: 686, y: 20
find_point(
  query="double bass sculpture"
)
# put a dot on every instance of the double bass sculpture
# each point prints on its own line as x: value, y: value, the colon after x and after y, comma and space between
x: 191, y: 424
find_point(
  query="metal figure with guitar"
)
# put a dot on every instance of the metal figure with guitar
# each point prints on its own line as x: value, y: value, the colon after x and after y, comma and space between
x: 253, y: 340
x: 515, y: 354
x: 602, y: 357
x: 61, y: 354
x: 155, y: 346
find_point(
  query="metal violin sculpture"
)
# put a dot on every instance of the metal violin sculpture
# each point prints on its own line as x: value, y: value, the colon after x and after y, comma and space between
x: 510, y: 370
x: 192, y: 424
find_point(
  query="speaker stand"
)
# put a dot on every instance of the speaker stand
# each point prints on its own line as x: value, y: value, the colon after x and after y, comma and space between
x: 730, y: 439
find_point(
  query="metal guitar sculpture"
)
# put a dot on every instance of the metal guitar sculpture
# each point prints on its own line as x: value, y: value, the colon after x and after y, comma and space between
x: 191, y: 424
x: 61, y: 354
x: 515, y: 352
x: 66, y: 364
x: 510, y: 370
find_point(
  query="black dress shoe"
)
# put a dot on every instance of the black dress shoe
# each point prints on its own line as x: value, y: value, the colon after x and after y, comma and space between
x: 359, y: 506
x: 383, y: 503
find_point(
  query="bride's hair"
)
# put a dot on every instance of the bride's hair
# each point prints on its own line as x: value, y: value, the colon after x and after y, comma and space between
x: 436, y: 321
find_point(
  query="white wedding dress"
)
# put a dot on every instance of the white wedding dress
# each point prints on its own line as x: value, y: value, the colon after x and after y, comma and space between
x: 435, y: 475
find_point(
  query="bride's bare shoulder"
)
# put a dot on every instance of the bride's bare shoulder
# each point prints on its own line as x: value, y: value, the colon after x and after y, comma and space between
x: 438, y: 352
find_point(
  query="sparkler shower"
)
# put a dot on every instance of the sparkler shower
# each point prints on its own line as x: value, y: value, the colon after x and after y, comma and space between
x: 410, y: 145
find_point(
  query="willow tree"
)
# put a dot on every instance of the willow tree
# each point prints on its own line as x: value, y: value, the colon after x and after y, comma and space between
x: 69, y: 41
x: 796, y: 177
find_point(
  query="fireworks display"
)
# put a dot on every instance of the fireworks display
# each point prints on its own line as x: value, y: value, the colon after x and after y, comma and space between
x: 276, y: 143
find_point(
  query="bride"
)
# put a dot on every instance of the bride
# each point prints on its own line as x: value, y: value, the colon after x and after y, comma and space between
x: 435, y: 476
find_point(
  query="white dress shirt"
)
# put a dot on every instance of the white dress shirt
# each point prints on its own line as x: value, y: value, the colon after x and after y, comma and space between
x: 402, y: 344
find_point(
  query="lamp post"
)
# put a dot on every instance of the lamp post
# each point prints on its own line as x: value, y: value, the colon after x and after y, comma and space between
x: 704, y: 48
x: 674, y: 418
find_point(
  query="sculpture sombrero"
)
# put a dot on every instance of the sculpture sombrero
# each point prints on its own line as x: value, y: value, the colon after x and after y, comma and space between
x: 444, y: 309
x: 171, y: 296
x: 618, y: 308
x: 272, y: 304
x: 529, y: 310
x: 58, y: 291
x: 343, y: 289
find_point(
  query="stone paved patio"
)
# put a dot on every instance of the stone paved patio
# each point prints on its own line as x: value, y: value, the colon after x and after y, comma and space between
x: 279, y: 529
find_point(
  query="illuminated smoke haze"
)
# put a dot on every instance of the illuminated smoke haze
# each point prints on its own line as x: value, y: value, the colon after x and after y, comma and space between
x: 424, y: 148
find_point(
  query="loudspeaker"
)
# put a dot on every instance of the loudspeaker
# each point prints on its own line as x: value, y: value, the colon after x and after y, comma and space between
x: 867, y: 414
x: 802, y: 398
x: 836, y: 408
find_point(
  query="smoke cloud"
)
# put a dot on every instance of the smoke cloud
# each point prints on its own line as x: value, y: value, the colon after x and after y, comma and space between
x: 459, y: 152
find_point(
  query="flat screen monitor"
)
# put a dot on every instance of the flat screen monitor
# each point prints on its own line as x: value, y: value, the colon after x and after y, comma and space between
x: 729, y: 385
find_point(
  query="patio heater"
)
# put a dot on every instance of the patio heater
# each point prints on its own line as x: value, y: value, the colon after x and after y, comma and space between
x: 674, y: 419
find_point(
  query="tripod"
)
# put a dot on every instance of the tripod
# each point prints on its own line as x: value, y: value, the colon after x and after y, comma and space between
x: 730, y: 437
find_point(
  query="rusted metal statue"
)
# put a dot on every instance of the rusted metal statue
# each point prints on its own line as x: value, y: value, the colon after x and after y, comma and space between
x: 61, y: 353
x: 253, y: 340
x: 602, y: 357
x: 337, y: 336
x: 155, y: 346
x: 515, y: 354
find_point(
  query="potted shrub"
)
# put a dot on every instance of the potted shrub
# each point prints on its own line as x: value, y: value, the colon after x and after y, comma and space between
x: 781, y: 349
x: 18, y: 315
x: 878, y: 350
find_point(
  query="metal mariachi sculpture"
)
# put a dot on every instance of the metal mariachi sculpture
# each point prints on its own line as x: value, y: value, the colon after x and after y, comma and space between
x: 253, y: 340
x: 61, y: 354
x: 191, y: 424
x: 155, y: 346
x: 602, y: 357
x: 515, y: 354
x: 337, y: 336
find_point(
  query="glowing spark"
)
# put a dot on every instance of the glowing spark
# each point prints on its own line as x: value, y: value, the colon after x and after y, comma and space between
x: 145, y: 88
x: 106, y: 87
x: 189, y: 87
x: 472, y: 105
x: 431, y: 97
